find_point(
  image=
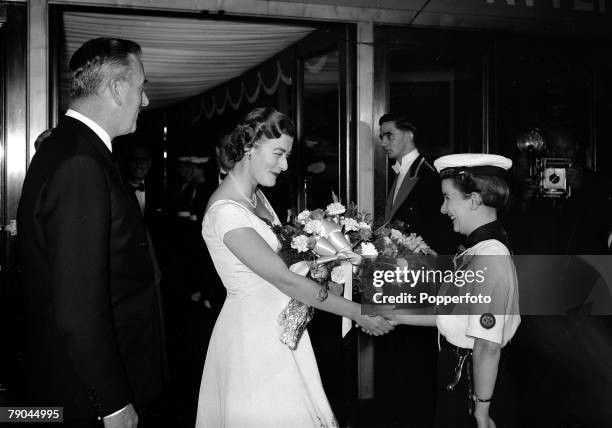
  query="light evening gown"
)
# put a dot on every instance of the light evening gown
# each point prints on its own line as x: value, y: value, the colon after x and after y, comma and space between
x: 250, y: 378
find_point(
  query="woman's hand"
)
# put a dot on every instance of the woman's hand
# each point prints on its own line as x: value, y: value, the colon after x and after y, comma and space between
x: 375, y: 326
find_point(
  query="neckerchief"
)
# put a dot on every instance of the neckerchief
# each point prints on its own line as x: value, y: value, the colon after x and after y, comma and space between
x: 492, y: 230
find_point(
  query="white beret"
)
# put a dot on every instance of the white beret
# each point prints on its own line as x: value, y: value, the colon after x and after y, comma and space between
x: 477, y: 163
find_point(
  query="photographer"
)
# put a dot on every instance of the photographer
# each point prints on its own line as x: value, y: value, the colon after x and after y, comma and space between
x: 561, y: 337
x: 575, y: 223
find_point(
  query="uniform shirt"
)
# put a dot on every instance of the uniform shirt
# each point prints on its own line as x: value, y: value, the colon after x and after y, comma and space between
x: 497, y: 321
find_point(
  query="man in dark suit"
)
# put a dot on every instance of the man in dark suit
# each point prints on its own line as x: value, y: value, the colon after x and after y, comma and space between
x: 136, y: 158
x: 415, y: 197
x: 218, y: 170
x: 137, y: 165
x: 92, y: 318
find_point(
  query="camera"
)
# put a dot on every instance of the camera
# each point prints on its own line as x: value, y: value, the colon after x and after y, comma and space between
x: 549, y: 173
x: 552, y: 181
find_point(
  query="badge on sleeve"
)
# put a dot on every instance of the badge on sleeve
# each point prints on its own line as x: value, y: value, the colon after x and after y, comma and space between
x: 487, y: 321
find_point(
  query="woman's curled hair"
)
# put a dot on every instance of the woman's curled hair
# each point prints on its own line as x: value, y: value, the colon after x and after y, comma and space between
x: 262, y: 122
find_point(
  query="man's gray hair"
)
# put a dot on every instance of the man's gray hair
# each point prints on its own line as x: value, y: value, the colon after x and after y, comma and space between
x: 97, y: 61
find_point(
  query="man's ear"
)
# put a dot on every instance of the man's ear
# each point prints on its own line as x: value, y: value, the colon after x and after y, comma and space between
x: 116, y: 88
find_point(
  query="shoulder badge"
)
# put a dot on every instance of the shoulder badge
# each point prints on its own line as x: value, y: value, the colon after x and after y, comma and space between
x: 487, y: 321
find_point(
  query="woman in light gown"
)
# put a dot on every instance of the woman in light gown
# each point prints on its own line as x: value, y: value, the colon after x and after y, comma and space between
x: 250, y: 378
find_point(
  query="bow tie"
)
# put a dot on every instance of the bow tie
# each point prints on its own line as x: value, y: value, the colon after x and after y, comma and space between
x: 140, y: 187
x: 222, y: 175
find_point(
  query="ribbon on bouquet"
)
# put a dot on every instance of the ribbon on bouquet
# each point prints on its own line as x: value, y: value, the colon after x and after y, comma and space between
x: 332, y: 245
x: 333, y: 233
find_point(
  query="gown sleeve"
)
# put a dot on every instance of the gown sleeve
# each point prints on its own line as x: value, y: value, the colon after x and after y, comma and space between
x: 228, y: 216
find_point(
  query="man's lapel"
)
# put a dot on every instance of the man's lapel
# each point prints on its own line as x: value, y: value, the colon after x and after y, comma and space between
x: 410, y: 180
x: 389, y: 205
x: 405, y: 189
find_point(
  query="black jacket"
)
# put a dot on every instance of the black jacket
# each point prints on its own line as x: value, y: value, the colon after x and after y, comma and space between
x: 418, y: 205
x: 92, y: 317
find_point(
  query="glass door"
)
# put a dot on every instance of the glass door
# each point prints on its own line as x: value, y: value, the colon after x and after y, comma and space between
x: 324, y: 111
x: 320, y: 138
x: 13, y: 155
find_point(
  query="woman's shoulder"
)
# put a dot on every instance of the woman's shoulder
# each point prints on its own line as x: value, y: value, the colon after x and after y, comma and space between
x: 221, y: 207
x: 222, y: 200
x: 223, y: 215
x: 490, y: 247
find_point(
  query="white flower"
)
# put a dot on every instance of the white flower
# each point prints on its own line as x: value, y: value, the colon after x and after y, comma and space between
x: 368, y: 249
x: 335, y: 208
x: 364, y: 225
x: 396, y: 235
x: 350, y: 224
x: 300, y: 243
x: 387, y: 241
x: 303, y: 217
x: 337, y: 275
x: 313, y: 227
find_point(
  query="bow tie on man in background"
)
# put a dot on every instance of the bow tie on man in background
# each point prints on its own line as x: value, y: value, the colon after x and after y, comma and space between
x: 138, y: 187
x: 137, y: 158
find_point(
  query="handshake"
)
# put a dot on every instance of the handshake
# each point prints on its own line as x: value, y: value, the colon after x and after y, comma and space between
x: 375, y: 325
x: 389, y: 317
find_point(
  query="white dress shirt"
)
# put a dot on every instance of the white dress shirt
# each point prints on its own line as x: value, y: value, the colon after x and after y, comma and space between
x: 402, y: 167
x: 93, y: 126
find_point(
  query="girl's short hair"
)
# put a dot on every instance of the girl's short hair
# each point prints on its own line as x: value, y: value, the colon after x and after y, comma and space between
x: 493, y: 190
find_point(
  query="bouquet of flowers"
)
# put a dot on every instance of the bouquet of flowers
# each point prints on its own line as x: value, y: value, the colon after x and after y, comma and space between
x: 392, y: 246
x: 393, y: 241
x: 318, y: 244
x: 327, y: 246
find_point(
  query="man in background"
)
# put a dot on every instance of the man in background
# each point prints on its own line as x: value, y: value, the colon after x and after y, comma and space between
x: 415, y: 197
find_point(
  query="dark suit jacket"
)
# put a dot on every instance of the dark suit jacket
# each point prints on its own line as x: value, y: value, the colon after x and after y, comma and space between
x: 92, y: 318
x: 155, y: 218
x: 418, y: 206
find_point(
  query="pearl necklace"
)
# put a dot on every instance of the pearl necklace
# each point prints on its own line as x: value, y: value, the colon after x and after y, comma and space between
x: 252, y: 201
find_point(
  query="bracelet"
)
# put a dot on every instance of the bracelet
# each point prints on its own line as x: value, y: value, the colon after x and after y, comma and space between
x: 477, y: 399
x: 322, y: 294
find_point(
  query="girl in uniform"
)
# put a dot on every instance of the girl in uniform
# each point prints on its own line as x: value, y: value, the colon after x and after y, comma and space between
x: 473, y: 387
